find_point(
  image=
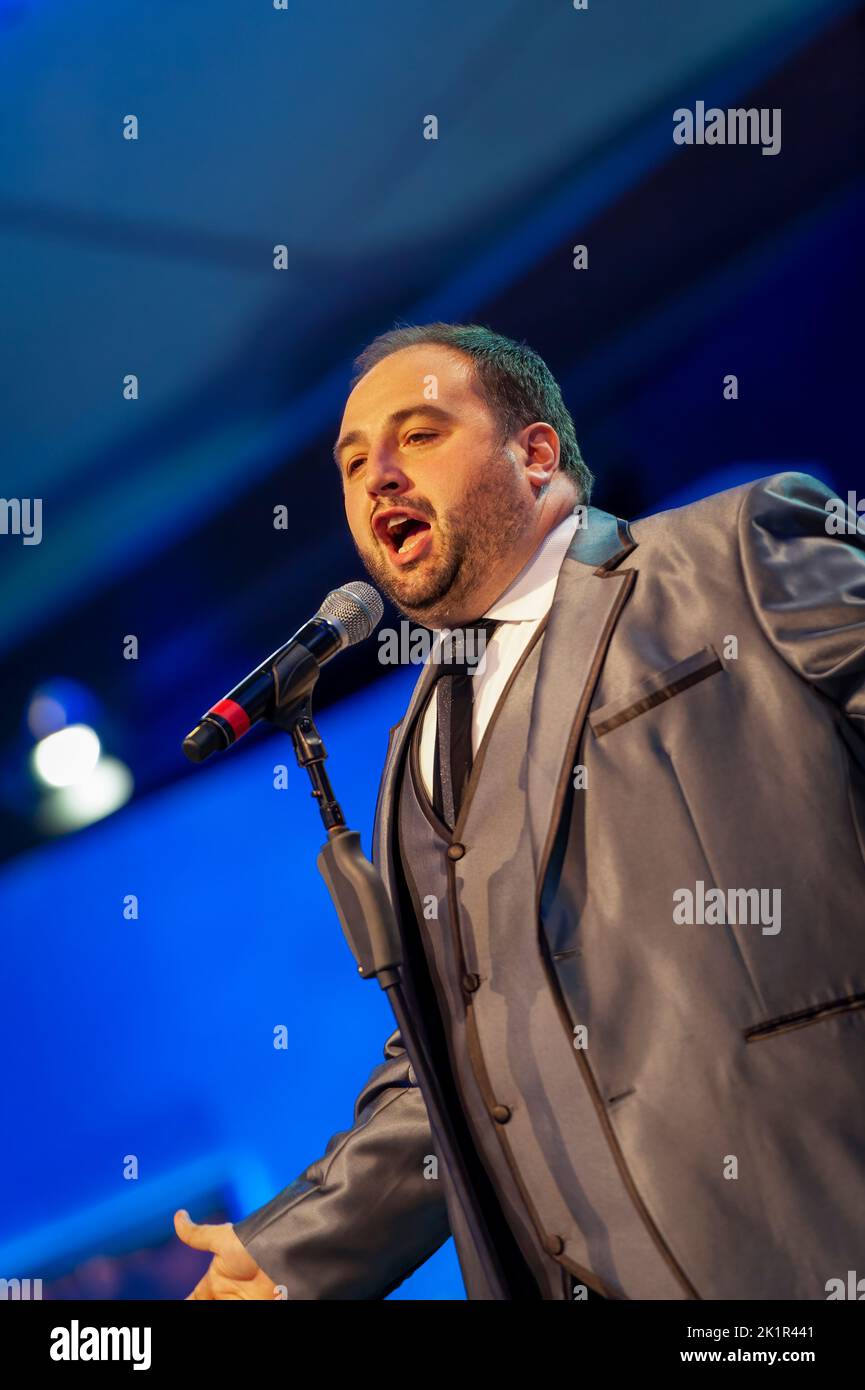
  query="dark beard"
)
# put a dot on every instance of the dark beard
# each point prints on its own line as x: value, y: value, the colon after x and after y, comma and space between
x: 417, y: 607
x: 499, y: 518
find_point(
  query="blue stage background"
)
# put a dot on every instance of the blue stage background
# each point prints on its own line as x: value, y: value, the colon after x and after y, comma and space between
x: 153, y: 1037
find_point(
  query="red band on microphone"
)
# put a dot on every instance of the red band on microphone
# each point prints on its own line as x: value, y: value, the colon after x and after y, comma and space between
x: 233, y: 714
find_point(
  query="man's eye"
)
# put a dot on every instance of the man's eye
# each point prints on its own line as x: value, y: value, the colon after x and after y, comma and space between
x: 421, y: 434
x: 352, y: 465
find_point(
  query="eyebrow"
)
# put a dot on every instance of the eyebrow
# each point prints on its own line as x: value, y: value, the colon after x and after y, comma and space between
x: 435, y: 412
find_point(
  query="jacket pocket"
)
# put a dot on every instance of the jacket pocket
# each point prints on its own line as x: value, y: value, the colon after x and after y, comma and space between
x: 661, y: 686
x: 802, y: 1018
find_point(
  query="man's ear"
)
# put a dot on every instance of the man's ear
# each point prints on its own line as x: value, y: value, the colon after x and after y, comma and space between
x: 541, y: 444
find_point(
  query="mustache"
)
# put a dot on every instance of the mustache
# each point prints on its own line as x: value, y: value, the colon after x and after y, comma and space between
x: 417, y: 504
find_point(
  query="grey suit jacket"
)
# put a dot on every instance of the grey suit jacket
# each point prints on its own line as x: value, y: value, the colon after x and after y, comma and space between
x: 705, y: 670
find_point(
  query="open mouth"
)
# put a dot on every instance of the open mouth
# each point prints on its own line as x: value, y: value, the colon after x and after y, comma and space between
x: 401, y: 533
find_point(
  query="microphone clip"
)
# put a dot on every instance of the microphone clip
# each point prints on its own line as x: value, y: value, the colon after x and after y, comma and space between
x: 310, y: 752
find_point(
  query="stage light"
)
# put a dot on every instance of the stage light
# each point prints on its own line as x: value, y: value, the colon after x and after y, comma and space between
x: 66, y: 757
x: 106, y: 788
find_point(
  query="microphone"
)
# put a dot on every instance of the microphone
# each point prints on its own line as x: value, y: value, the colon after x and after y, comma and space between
x: 348, y: 615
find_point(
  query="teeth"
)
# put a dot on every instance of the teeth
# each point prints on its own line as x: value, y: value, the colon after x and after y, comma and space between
x: 408, y: 544
x: 395, y: 521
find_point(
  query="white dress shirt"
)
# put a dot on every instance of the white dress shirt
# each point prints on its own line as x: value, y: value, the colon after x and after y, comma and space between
x: 520, y: 608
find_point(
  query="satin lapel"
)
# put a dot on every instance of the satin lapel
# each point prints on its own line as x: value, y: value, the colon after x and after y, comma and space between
x: 590, y: 595
x: 382, y: 848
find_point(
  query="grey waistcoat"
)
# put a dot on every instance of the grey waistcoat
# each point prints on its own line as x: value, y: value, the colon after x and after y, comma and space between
x: 526, y: 1104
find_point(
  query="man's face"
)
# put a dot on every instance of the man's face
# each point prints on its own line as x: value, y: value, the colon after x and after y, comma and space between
x: 435, y: 501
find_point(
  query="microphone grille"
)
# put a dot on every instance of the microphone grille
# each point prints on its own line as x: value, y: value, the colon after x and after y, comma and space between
x: 357, y: 606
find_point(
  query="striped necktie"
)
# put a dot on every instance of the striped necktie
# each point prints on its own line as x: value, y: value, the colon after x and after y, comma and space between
x: 463, y: 649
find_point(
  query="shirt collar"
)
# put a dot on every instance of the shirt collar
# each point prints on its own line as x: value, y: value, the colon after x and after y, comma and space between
x: 530, y: 595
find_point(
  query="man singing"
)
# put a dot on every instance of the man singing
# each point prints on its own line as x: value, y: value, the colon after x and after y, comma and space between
x: 626, y: 856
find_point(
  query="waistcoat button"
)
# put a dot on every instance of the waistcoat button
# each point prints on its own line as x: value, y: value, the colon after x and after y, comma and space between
x: 471, y: 983
x: 501, y: 1114
x: 554, y: 1245
x: 456, y: 851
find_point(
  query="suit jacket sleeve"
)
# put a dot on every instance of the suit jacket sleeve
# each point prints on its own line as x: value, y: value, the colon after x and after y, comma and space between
x: 360, y: 1219
x: 807, y: 585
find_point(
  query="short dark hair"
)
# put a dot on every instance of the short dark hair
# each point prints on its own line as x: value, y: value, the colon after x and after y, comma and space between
x: 516, y: 382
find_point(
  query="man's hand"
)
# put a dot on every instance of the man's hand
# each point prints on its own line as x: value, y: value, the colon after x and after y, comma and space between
x: 233, y: 1272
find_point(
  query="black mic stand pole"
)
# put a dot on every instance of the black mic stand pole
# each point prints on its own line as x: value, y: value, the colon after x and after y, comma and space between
x: 369, y: 926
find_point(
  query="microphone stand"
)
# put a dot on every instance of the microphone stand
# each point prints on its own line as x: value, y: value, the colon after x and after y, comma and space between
x: 355, y: 885
x: 370, y: 927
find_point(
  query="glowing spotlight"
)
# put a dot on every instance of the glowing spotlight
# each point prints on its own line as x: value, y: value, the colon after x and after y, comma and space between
x: 107, y: 787
x: 67, y: 757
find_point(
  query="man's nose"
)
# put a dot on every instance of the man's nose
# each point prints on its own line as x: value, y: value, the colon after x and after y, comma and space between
x: 384, y: 474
